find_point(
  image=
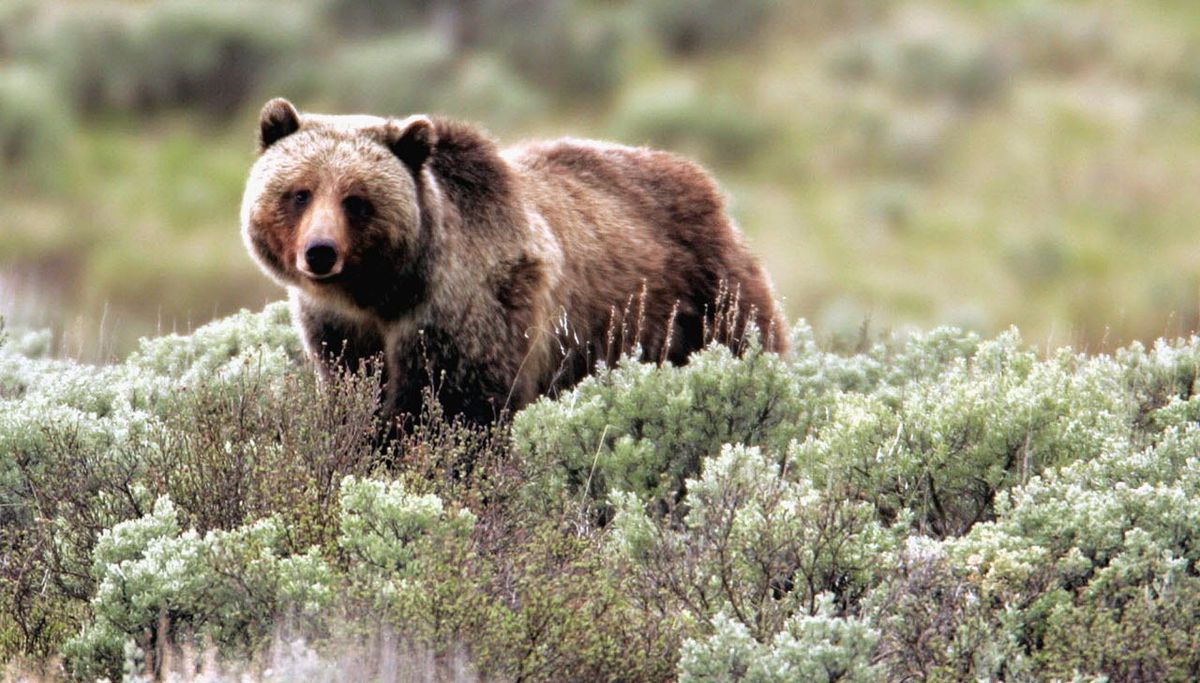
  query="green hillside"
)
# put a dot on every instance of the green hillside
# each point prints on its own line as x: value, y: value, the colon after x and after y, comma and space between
x: 911, y: 163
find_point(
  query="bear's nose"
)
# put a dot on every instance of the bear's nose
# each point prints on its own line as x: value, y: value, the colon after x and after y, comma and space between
x: 321, y: 256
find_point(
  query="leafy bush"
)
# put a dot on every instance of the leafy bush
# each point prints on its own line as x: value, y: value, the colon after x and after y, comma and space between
x: 385, y: 528
x: 689, y: 28
x: 934, y: 625
x: 169, y: 55
x: 1164, y: 381
x: 820, y: 648
x: 756, y: 544
x: 1096, y: 553
x: 939, y: 507
x: 985, y: 424
x: 36, y: 128
x: 416, y: 566
x: 644, y: 430
x: 226, y: 424
x: 225, y: 586
x: 83, y: 448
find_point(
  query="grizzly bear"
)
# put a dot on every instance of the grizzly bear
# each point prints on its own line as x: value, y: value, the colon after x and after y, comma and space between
x: 491, y: 277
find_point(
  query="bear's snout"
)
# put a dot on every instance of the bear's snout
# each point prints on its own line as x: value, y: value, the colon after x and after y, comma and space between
x: 322, y: 258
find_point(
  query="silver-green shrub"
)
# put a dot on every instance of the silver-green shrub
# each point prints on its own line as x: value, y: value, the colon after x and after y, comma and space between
x: 943, y: 445
x: 937, y: 507
x: 225, y: 421
x: 644, y: 430
x: 224, y: 586
x: 759, y: 543
x: 821, y: 648
x: 385, y: 530
x: 1098, y: 553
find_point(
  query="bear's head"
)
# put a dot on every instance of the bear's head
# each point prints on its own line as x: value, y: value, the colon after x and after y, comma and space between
x: 335, y: 206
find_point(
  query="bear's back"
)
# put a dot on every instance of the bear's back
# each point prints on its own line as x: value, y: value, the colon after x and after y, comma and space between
x: 664, y: 190
x: 631, y: 218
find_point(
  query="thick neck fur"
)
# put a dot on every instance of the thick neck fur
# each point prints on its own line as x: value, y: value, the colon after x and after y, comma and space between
x: 472, y: 217
x: 481, y: 223
x: 474, y: 178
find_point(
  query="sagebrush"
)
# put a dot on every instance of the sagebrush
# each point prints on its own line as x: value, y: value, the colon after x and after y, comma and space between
x: 940, y: 507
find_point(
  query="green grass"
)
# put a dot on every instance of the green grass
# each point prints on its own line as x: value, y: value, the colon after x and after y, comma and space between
x: 984, y: 164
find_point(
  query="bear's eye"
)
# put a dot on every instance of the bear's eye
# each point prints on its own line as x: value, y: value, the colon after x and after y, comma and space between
x: 301, y: 198
x: 358, y: 207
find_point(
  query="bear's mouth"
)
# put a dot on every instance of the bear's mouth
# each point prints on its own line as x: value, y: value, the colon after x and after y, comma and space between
x: 323, y: 281
x: 325, y: 278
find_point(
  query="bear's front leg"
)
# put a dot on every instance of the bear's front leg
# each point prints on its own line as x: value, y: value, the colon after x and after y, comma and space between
x: 431, y: 365
x: 340, y: 344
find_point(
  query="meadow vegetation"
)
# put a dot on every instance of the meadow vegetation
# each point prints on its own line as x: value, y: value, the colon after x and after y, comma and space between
x: 916, y: 163
x: 941, y: 507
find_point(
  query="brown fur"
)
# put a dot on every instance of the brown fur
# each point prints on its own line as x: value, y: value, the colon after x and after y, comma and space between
x: 495, y: 277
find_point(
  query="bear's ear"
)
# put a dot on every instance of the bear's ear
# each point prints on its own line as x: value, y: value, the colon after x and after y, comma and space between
x: 412, y: 140
x: 278, y: 119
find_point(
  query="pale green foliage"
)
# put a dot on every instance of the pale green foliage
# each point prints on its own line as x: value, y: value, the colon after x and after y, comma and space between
x: 407, y: 555
x: 644, y: 430
x: 83, y: 448
x: 218, y: 346
x: 115, y: 402
x: 223, y: 585
x: 1164, y: 380
x: 927, y: 437
x: 228, y: 587
x: 1080, y: 522
x: 63, y: 422
x: 757, y: 542
x: 159, y: 367
x: 1103, y: 545
x: 821, y: 648
x: 943, y: 445
x: 726, y: 655
x: 936, y: 426
x: 384, y: 527
x: 940, y: 507
x: 934, y: 625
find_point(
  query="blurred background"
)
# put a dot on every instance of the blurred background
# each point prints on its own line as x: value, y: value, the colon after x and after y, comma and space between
x: 982, y: 163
